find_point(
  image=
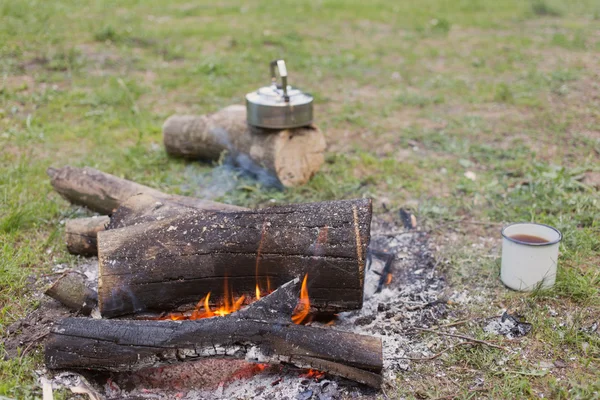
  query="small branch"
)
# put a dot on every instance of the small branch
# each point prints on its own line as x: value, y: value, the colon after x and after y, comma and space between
x: 391, y: 234
x: 32, y: 342
x: 436, y: 355
x: 467, y: 338
x: 455, y: 396
x: 456, y: 323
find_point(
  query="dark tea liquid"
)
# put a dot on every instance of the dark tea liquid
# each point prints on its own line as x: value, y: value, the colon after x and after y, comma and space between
x: 529, y: 238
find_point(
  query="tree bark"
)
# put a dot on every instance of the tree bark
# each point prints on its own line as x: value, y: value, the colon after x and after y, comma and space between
x: 81, y: 234
x: 160, y: 265
x: 293, y: 156
x: 70, y: 289
x: 262, y: 332
x: 103, y: 193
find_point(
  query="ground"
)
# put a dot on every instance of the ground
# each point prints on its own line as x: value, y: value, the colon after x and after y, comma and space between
x: 471, y: 113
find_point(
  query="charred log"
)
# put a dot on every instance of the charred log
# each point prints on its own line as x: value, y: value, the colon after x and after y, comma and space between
x: 160, y: 265
x: 262, y: 333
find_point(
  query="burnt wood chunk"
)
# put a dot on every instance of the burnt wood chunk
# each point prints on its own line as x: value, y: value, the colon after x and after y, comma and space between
x: 81, y: 234
x: 163, y: 264
x: 263, y: 333
x: 70, y: 289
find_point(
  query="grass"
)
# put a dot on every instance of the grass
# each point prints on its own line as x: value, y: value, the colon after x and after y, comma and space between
x: 412, y: 96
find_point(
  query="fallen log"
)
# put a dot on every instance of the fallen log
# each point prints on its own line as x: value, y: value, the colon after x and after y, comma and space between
x: 160, y: 265
x: 262, y: 332
x: 103, y: 193
x: 70, y: 289
x: 293, y: 156
x: 81, y: 234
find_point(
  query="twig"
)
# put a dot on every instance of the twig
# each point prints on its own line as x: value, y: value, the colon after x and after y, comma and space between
x: 470, y: 339
x: 455, y: 396
x: 456, y: 323
x: 389, y: 234
x: 32, y: 342
x: 436, y: 355
x: 384, y: 393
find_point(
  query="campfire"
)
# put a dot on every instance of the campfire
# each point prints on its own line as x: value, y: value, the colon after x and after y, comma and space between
x: 183, y: 281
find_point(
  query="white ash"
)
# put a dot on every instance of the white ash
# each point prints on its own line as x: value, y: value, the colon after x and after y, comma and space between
x: 508, y: 325
x: 413, y: 298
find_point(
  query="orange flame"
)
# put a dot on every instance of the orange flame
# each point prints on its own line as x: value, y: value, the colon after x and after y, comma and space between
x: 388, y: 280
x: 229, y: 305
x: 303, y: 307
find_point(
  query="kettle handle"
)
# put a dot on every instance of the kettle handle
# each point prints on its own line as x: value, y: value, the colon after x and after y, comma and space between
x: 280, y: 64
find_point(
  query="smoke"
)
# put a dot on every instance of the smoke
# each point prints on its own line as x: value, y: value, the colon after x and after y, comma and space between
x: 233, y: 172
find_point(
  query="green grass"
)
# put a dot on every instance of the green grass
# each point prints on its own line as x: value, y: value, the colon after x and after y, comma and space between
x: 411, y: 95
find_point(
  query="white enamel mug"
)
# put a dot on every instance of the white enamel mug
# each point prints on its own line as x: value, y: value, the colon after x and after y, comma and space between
x: 525, y: 265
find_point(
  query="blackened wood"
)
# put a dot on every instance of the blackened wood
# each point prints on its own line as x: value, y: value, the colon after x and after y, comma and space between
x: 81, y: 234
x: 160, y: 265
x: 103, y: 193
x: 253, y: 333
x: 71, y: 290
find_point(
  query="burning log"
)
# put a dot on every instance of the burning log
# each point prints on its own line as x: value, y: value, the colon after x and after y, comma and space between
x: 262, y: 332
x: 160, y: 265
x: 292, y: 155
x: 70, y: 289
x: 81, y: 234
x: 103, y: 193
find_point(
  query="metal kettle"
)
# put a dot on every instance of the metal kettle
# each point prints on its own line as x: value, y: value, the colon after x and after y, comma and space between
x: 279, y: 106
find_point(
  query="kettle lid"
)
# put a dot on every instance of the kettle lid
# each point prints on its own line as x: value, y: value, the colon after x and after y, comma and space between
x: 279, y: 105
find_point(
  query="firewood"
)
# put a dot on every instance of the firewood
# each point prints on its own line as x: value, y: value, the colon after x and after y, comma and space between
x: 291, y: 155
x: 70, y: 289
x: 81, y: 234
x: 263, y: 333
x: 160, y: 265
x: 103, y: 193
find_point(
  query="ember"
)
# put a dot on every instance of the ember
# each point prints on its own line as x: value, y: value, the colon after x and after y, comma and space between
x: 388, y: 279
x: 313, y: 374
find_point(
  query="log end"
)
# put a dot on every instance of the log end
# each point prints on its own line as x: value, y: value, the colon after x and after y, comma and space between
x: 299, y: 155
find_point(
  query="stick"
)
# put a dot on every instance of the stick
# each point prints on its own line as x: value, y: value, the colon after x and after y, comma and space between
x: 467, y: 338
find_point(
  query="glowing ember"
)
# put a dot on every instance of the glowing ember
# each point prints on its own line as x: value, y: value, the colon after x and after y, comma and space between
x: 313, y: 374
x: 303, y: 307
x: 388, y: 280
